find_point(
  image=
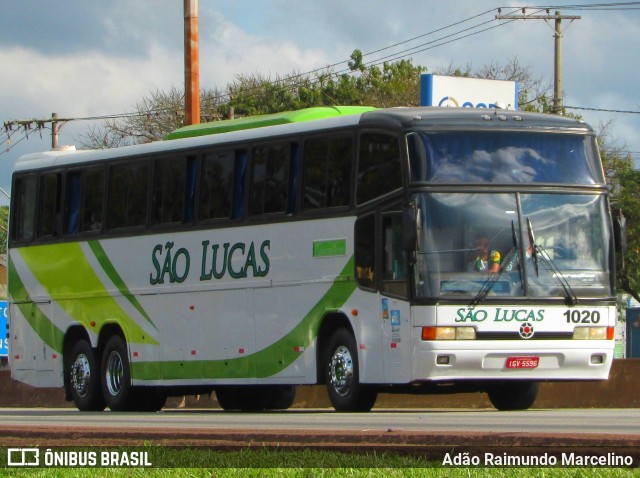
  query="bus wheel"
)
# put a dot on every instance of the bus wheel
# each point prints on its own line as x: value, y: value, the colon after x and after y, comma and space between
x: 346, y: 392
x: 149, y: 399
x: 282, y: 397
x: 116, y: 376
x: 513, y: 395
x: 84, y: 378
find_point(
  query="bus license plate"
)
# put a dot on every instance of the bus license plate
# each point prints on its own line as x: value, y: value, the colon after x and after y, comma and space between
x: 530, y: 361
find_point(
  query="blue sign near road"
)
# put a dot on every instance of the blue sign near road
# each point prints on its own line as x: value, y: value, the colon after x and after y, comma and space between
x: 4, y: 328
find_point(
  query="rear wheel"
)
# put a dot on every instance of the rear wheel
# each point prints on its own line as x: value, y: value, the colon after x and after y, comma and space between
x: 84, y: 378
x: 513, y: 395
x: 256, y: 398
x: 116, y: 376
x: 346, y: 392
x: 149, y: 399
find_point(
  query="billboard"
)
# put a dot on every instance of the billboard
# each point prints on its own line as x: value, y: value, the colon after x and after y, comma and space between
x: 4, y: 328
x: 454, y: 91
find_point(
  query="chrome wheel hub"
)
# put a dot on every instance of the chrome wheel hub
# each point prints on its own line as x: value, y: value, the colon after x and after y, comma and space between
x: 341, y: 370
x: 114, y: 373
x: 81, y: 375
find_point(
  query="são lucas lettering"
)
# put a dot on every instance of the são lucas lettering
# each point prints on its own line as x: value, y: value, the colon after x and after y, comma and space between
x: 239, y: 260
x: 500, y: 314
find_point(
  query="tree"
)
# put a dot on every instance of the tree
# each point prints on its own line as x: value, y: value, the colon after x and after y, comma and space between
x: 4, y: 223
x: 624, y: 180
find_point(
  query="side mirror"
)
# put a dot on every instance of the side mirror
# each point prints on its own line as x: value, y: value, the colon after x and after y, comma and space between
x: 619, y: 231
x: 411, y: 226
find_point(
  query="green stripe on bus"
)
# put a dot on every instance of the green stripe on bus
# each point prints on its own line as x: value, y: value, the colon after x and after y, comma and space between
x: 69, y: 279
x: 268, y: 361
x: 38, y: 320
x: 111, y: 272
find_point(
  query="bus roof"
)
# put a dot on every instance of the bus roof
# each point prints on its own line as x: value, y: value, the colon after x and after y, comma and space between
x: 250, y: 122
x: 300, y: 122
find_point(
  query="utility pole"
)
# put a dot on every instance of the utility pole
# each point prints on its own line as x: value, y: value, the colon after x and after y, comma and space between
x: 54, y: 130
x: 556, y: 108
x: 191, y: 63
x: 37, y: 125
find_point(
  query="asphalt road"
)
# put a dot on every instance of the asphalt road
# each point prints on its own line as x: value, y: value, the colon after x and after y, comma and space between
x: 610, y: 422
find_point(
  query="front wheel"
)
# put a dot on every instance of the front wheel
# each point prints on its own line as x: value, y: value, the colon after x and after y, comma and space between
x: 116, y: 376
x: 346, y: 392
x: 84, y: 378
x: 513, y: 395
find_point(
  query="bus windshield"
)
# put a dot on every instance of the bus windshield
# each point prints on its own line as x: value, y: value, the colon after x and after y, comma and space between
x: 512, y: 244
x: 503, y: 157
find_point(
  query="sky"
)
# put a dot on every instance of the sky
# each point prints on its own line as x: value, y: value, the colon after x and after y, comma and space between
x: 87, y: 58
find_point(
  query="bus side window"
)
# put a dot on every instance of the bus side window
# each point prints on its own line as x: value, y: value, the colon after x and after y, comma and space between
x: 379, y: 166
x: 269, y: 179
x: 72, y: 213
x: 127, y: 202
x: 239, y: 184
x: 23, y: 210
x: 92, y: 200
x: 169, y: 186
x: 394, y: 265
x: 327, y: 172
x: 49, y: 210
x: 365, y: 251
x: 217, y: 185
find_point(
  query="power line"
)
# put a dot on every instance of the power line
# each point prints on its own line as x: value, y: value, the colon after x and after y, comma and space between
x: 601, y: 109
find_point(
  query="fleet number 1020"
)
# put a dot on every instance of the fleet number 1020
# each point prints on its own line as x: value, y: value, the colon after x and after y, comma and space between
x: 582, y: 316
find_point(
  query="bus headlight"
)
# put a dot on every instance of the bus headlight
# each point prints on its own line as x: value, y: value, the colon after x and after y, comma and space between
x: 594, y: 333
x: 448, y: 333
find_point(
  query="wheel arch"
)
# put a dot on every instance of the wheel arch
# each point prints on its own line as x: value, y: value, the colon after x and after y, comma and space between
x: 329, y: 324
x: 74, y: 334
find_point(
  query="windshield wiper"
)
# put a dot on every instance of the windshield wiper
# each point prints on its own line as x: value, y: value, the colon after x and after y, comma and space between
x: 506, y: 264
x: 571, y: 297
x: 494, y: 277
x: 539, y: 251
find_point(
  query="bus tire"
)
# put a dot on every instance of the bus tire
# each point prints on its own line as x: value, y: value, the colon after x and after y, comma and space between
x: 149, y: 399
x: 346, y: 392
x: 282, y: 397
x: 116, y: 376
x: 513, y: 395
x: 84, y: 378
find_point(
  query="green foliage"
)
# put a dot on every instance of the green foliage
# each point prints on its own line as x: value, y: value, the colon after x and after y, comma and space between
x: 4, y: 224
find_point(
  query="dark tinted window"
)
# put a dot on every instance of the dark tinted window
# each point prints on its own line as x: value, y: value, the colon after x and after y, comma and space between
x: 379, y: 168
x: 128, y: 187
x: 23, y: 210
x: 270, y: 179
x: 49, y: 214
x: 327, y: 172
x: 85, y: 199
x: 169, y: 185
x: 216, y: 188
x: 366, y: 251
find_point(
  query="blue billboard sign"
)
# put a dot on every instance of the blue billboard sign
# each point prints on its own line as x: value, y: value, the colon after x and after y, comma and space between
x: 4, y: 328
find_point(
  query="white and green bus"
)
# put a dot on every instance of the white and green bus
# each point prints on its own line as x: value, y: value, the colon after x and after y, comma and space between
x: 327, y: 246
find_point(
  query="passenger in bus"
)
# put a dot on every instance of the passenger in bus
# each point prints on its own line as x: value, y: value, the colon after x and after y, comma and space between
x: 486, y: 260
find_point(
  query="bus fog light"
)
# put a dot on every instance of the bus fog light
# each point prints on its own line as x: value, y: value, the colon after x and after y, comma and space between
x: 591, y: 333
x: 466, y: 333
x: 448, y: 333
x: 597, y: 359
x: 442, y: 360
